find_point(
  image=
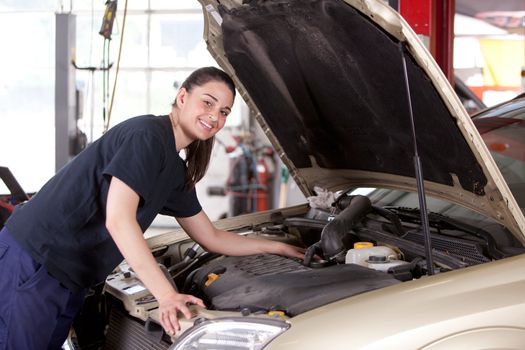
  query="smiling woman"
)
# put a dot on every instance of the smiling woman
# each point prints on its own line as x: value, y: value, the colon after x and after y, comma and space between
x: 94, y: 211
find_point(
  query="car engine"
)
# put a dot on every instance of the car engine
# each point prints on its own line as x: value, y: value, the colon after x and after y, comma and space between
x: 353, y: 248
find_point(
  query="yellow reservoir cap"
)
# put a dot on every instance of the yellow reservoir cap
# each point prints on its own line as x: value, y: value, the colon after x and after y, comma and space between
x: 359, y: 245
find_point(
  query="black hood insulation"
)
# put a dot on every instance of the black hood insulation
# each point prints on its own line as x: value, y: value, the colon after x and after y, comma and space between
x: 330, y: 84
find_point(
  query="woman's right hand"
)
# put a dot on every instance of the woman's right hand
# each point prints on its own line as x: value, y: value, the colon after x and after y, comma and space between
x: 169, y: 308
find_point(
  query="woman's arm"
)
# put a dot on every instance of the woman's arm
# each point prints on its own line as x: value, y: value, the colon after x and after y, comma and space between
x: 201, y: 229
x: 121, y: 222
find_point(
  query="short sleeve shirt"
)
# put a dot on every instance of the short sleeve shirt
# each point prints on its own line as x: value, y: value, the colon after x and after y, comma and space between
x: 63, y: 225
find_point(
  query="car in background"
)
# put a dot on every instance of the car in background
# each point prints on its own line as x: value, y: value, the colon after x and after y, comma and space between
x: 431, y: 258
x: 469, y: 99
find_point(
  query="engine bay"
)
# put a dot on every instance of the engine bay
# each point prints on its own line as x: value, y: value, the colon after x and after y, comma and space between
x: 353, y: 248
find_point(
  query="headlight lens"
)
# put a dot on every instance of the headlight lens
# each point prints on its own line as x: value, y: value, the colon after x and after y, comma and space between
x: 231, y: 333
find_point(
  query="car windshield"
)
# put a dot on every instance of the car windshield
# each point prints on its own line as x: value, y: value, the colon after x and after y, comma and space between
x: 503, y: 130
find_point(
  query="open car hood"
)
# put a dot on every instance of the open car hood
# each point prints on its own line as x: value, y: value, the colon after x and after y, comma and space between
x: 325, y: 79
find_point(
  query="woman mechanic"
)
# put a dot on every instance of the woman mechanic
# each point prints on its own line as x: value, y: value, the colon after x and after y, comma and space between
x: 94, y: 211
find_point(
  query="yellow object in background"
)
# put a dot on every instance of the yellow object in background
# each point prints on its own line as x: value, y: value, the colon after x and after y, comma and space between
x: 504, y: 59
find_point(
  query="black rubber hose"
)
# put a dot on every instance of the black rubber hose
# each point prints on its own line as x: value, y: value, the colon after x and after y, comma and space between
x: 334, y: 234
x: 310, y: 253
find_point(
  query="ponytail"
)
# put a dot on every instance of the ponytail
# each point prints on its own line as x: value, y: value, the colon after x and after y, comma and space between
x: 198, y: 155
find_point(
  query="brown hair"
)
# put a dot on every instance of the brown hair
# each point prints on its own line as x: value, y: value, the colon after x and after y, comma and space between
x: 198, y: 153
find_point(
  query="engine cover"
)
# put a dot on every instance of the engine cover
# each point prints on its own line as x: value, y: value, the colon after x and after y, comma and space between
x: 271, y: 282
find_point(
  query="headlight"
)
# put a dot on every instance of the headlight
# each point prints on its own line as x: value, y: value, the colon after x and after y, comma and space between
x: 231, y: 333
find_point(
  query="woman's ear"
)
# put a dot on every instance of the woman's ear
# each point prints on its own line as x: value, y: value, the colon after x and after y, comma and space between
x: 181, y: 97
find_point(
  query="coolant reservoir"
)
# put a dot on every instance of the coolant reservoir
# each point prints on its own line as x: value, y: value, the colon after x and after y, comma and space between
x: 360, y: 256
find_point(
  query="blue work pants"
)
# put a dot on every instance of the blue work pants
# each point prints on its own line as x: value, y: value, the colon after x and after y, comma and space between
x: 36, y: 311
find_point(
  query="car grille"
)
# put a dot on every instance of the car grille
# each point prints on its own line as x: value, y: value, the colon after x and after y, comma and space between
x: 127, y: 333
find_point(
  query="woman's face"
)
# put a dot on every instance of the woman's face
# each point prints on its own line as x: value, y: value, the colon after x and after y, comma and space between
x: 203, y: 110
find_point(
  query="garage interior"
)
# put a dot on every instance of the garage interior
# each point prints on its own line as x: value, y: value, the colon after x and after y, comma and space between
x: 71, y: 70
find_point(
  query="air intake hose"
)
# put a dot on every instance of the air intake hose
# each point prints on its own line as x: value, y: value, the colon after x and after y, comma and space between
x: 333, y: 236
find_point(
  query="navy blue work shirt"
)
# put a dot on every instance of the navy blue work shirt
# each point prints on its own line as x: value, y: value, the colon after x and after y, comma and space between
x: 63, y: 226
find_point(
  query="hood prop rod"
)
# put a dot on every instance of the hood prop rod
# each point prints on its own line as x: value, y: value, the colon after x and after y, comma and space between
x: 419, y: 173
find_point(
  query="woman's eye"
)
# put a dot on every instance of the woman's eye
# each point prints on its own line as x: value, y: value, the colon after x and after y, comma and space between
x: 207, y: 103
x: 224, y: 114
